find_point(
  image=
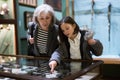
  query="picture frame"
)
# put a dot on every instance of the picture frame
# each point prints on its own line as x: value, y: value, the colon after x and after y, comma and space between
x: 28, y: 17
x: 7, y: 9
x: 30, y: 3
x: 56, y: 4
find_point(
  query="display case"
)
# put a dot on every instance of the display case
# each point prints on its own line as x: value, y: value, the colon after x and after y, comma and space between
x: 8, y: 27
x: 21, y: 67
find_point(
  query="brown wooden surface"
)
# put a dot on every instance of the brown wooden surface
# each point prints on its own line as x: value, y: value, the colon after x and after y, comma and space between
x: 109, y: 60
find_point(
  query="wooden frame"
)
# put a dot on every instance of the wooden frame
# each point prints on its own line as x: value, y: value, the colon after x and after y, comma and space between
x: 28, y: 17
x: 31, y: 3
x: 56, y: 4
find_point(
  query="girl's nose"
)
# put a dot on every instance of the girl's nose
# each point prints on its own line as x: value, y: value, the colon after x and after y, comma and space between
x: 65, y: 32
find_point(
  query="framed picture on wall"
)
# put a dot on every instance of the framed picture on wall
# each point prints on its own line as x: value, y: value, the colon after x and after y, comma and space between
x: 28, y: 17
x: 7, y: 10
x: 7, y: 39
x: 56, y: 4
x: 31, y: 3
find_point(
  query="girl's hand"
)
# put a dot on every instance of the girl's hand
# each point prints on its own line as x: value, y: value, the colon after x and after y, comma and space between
x: 52, y: 65
x: 91, y: 41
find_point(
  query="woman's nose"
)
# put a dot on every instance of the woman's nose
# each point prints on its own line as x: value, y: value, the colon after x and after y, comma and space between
x: 45, y: 21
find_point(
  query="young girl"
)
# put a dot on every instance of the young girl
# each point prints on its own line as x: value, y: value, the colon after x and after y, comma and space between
x: 74, y: 43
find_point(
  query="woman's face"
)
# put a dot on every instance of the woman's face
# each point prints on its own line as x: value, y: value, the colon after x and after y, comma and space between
x: 44, y: 20
x: 68, y: 30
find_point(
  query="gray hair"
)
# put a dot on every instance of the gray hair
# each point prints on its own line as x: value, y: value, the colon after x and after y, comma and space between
x: 43, y: 8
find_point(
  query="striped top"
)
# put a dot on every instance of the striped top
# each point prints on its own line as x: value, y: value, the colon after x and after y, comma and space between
x: 42, y: 37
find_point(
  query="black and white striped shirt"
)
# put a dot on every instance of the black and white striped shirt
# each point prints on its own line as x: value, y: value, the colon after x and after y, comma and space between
x: 42, y: 37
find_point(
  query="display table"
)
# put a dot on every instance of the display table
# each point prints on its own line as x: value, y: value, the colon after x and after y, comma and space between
x: 19, y: 67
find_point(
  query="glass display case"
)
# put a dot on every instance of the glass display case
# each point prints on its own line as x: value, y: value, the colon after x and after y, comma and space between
x: 7, y: 36
x: 8, y: 27
x: 21, y: 67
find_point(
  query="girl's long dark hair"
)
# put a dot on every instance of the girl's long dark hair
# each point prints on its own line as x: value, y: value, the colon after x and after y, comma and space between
x: 68, y: 20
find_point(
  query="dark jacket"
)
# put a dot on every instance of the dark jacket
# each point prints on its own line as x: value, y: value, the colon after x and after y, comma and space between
x: 85, y: 49
x: 52, y: 42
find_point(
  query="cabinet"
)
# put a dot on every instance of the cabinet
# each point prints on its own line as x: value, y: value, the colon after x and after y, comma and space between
x: 8, y: 27
x: 21, y: 67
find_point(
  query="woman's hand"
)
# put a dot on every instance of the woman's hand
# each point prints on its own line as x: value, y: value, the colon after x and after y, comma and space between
x: 52, y: 65
x: 31, y: 40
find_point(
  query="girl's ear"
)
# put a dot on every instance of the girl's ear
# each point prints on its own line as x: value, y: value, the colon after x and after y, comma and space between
x: 74, y: 26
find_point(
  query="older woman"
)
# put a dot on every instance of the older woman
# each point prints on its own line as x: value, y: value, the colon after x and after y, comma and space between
x: 42, y: 32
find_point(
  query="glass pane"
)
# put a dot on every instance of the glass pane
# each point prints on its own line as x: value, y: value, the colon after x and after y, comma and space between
x: 34, y: 67
x: 7, y: 39
x: 103, y: 18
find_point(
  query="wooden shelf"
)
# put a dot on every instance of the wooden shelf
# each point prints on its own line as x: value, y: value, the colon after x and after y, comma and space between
x: 109, y: 60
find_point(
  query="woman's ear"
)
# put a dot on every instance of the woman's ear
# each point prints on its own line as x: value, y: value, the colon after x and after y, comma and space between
x: 36, y: 20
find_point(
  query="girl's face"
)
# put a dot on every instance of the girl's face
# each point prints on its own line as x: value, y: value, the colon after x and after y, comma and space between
x: 44, y: 20
x: 68, y: 30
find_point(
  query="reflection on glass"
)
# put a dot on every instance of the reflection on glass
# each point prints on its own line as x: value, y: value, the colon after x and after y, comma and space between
x: 6, y: 10
x: 28, y: 67
x: 7, y: 39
